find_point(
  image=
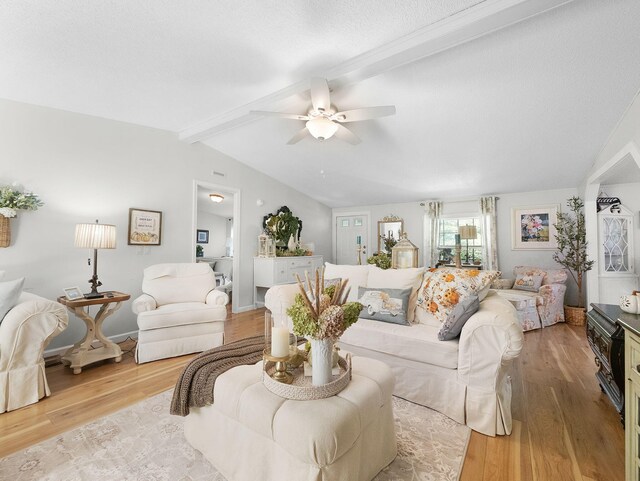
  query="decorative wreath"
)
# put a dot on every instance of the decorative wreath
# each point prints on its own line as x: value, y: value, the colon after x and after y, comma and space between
x: 282, y: 225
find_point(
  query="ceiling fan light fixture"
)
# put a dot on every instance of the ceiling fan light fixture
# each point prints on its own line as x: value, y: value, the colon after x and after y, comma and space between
x: 217, y: 198
x: 321, y: 127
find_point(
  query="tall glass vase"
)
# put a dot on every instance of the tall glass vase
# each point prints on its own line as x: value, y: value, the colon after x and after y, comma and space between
x: 321, y: 361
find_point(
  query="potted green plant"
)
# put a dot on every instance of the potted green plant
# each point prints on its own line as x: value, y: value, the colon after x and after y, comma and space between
x: 571, y: 236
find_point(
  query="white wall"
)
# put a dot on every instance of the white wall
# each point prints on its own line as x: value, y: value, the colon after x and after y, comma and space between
x: 625, y: 136
x: 217, y: 227
x: 628, y: 129
x: 86, y: 168
x: 413, y: 216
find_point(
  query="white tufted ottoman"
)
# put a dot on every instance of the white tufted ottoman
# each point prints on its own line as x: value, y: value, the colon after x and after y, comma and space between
x: 251, y: 434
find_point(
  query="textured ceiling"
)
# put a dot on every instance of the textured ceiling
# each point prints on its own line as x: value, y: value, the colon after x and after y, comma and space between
x: 169, y: 64
x: 527, y: 107
x: 223, y: 209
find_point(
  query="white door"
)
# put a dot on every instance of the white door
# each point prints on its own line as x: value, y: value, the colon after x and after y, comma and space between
x: 352, y: 234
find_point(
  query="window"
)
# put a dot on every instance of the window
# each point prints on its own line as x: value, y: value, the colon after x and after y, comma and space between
x: 448, y: 228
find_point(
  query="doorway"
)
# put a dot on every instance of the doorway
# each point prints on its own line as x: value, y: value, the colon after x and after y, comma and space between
x: 351, y: 238
x: 216, y: 221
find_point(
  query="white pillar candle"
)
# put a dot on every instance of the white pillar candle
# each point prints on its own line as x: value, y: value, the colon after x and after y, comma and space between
x: 279, y: 341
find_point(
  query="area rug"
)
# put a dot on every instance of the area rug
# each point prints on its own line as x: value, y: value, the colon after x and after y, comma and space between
x: 145, y: 443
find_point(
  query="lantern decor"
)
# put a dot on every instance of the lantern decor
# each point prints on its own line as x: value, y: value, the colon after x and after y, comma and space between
x: 280, y: 346
x: 404, y: 254
x: 266, y: 245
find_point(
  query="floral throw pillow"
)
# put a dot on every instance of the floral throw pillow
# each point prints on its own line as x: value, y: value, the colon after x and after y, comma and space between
x: 528, y: 283
x: 442, y: 289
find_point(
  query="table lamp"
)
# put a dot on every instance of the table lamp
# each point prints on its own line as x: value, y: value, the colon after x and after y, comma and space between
x: 95, y: 236
x: 468, y: 232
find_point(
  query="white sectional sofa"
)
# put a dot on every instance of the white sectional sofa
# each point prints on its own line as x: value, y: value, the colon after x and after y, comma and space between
x: 466, y: 378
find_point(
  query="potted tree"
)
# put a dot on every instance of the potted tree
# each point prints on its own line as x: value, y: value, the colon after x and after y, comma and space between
x: 572, y: 254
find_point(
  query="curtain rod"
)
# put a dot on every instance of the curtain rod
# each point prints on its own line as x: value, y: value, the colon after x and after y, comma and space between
x: 456, y: 201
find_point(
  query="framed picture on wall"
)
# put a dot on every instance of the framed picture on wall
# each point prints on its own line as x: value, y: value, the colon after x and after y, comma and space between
x: 202, y: 236
x: 145, y: 227
x: 532, y: 228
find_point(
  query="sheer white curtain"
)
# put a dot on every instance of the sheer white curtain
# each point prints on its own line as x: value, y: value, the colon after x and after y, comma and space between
x: 489, y: 232
x: 433, y: 211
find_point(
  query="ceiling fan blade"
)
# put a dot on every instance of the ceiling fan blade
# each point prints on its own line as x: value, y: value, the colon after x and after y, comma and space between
x: 298, y: 137
x: 365, y: 113
x: 264, y: 113
x: 345, y: 134
x: 320, y: 94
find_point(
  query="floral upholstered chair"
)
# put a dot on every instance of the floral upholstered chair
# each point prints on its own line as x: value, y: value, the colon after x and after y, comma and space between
x: 542, y: 286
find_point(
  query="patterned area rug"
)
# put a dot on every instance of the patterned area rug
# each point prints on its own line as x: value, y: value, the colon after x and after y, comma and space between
x: 145, y: 443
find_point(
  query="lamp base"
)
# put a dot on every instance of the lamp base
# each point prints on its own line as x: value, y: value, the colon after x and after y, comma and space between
x: 93, y: 295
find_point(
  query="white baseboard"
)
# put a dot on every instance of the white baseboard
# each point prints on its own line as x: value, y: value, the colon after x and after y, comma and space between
x: 250, y: 307
x: 117, y: 338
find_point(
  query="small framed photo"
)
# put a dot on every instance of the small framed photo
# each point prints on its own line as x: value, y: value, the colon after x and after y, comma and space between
x: 202, y: 236
x: 533, y: 227
x: 73, y: 293
x: 145, y: 227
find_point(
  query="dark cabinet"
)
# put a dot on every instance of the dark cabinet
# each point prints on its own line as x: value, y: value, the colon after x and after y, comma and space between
x: 606, y: 338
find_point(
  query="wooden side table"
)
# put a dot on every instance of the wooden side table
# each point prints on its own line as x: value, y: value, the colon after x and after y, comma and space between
x: 81, y: 353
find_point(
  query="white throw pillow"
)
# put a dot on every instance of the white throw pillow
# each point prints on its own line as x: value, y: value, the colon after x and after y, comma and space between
x: 357, y: 276
x: 398, y: 279
x: 9, y: 294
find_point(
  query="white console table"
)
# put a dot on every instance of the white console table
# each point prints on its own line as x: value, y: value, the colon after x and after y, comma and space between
x: 271, y: 271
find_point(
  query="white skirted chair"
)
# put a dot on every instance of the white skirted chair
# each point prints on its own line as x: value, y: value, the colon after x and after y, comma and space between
x: 180, y: 311
x: 25, y: 332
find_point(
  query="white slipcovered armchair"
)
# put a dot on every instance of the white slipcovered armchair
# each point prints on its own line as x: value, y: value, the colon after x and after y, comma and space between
x: 25, y: 332
x: 180, y: 311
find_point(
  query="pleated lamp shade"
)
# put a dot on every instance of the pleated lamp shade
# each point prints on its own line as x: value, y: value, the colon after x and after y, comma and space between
x: 95, y: 236
x: 468, y: 232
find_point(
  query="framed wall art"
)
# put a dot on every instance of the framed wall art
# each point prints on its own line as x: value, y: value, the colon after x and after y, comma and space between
x: 202, y: 236
x: 533, y: 227
x: 145, y: 227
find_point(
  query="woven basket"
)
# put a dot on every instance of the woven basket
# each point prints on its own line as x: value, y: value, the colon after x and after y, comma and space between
x: 575, y: 316
x: 5, y: 231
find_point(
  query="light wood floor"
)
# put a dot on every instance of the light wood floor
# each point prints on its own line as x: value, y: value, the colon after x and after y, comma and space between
x: 564, y: 427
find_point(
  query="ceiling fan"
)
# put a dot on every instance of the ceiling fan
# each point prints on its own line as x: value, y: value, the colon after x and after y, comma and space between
x: 323, y: 121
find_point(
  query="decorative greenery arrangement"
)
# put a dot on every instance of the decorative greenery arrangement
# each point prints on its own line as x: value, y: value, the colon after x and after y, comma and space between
x: 389, y: 242
x: 12, y: 200
x: 380, y: 259
x: 322, y: 314
x: 199, y: 250
x: 282, y: 225
x: 572, y: 243
x: 298, y: 251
